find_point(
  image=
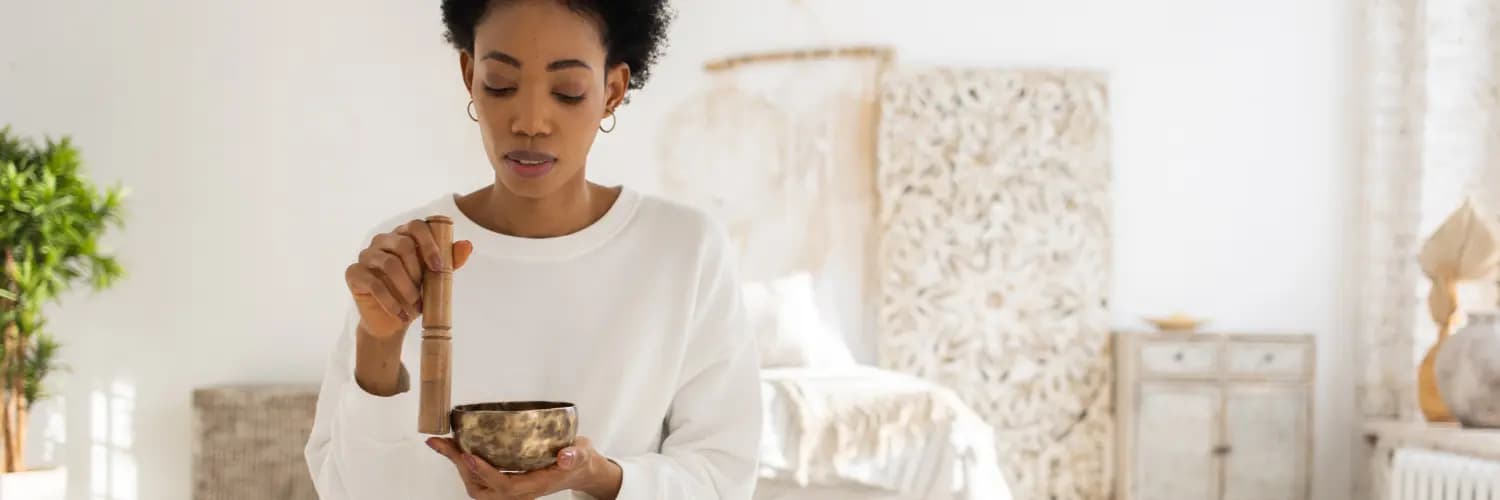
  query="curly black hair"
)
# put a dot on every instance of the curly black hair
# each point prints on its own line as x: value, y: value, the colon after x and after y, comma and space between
x: 634, y: 31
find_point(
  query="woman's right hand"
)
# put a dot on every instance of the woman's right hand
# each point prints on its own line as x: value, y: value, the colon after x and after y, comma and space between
x: 386, y: 280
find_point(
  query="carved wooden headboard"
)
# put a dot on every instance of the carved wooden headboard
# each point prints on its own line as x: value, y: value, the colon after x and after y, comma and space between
x: 995, y: 259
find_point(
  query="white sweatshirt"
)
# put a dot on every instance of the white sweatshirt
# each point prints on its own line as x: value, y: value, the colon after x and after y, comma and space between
x: 637, y: 319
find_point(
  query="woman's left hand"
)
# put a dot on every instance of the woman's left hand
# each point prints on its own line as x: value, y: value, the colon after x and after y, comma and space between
x: 578, y: 467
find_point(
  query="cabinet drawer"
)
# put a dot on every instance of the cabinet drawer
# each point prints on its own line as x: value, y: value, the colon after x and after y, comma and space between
x: 1274, y: 359
x: 1180, y: 358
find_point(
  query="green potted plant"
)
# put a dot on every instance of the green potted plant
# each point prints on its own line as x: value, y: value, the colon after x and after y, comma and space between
x: 51, y: 219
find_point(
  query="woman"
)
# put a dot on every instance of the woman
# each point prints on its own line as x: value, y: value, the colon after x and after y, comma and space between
x: 621, y: 303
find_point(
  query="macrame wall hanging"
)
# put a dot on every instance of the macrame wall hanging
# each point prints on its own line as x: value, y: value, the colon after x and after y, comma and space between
x: 782, y: 151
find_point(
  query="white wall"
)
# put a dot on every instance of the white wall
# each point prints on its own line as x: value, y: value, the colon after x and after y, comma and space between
x: 1232, y: 146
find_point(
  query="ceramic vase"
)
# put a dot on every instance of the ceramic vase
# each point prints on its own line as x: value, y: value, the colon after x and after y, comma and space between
x: 1467, y: 370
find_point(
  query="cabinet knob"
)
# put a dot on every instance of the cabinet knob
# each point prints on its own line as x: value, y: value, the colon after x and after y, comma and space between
x: 1269, y: 358
x: 1222, y: 449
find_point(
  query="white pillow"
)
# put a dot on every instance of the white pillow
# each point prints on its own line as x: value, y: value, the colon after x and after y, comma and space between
x: 783, y: 314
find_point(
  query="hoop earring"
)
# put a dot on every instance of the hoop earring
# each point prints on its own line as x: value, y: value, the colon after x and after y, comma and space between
x: 612, y: 121
x: 470, y: 109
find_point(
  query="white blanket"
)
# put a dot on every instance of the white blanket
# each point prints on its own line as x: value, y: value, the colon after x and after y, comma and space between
x: 867, y: 427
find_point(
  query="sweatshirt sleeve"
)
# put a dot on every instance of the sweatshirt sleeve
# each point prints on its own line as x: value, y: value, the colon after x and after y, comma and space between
x: 712, y: 429
x: 360, y: 445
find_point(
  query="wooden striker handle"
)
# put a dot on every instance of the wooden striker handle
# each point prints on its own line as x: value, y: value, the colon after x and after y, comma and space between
x: 437, y: 344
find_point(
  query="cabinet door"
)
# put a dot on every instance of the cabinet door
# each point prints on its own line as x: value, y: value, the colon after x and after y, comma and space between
x: 1177, y: 429
x: 1266, y: 432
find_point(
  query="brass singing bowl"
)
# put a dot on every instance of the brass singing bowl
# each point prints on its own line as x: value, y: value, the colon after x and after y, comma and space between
x: 515, y: 436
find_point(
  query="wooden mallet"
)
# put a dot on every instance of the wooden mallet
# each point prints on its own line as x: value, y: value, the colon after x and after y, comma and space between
x: 437, y: 340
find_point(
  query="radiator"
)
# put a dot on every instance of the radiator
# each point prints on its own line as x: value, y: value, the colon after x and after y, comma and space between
x: 1418, y: 474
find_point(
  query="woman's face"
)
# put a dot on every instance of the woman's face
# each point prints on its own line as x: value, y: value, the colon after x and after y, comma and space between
x: 540, y: 90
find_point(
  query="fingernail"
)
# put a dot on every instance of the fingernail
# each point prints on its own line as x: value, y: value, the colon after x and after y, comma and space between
x: 473, y: 464
x: 432, y: 444
x: 403, y: 316
x: 569, y: 456
x: 437, y: 265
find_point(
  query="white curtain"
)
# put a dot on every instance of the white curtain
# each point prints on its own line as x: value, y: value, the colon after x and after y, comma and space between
x: 1431, y: 136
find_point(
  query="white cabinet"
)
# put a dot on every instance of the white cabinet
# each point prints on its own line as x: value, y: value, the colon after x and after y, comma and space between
x: 1213, y: 417
x: 1180, y: 419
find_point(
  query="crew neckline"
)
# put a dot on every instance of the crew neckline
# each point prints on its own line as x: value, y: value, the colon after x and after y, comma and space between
x: 552, y: 248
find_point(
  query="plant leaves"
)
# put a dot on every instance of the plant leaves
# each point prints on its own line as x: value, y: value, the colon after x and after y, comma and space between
x: 51, y: 219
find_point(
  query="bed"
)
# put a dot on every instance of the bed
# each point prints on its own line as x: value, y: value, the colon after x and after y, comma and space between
x: 834, y: 427
x: 862, y: 432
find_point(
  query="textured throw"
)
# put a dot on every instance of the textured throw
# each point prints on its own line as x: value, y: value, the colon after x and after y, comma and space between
x: 248, y: 441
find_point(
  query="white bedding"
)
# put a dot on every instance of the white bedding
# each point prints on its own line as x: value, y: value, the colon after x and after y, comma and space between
x: 772, y: 489
x: 863, y: 432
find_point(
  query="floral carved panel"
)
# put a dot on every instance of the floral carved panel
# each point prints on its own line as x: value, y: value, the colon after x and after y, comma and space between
x: 994, y: 260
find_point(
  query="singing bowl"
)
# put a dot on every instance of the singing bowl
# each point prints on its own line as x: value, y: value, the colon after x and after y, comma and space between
x: 515, y: 436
